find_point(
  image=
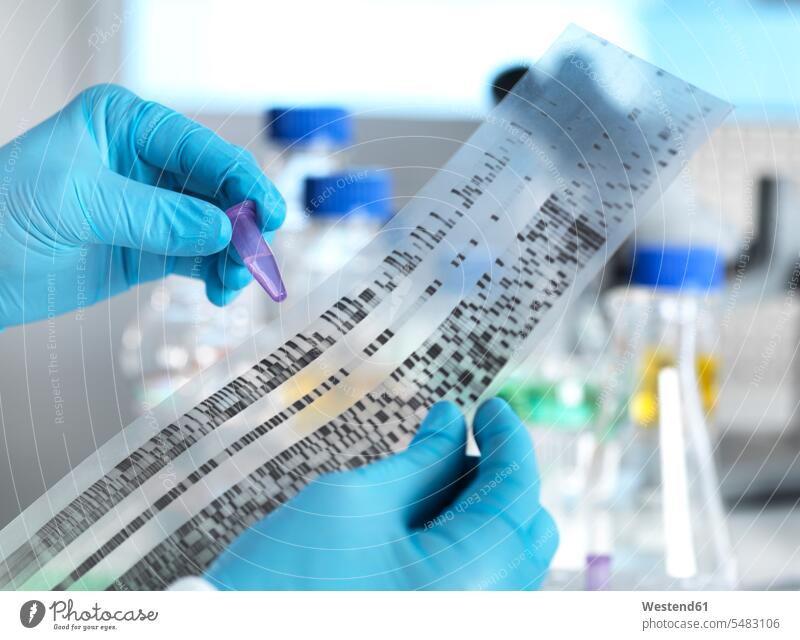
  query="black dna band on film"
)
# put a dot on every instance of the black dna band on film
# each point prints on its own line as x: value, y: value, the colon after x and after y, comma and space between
x: 459, y: 283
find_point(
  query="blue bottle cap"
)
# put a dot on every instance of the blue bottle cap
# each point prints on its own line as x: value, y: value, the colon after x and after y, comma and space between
x: 696, y: 268
x: 305, y: 125
x: 369, y: 192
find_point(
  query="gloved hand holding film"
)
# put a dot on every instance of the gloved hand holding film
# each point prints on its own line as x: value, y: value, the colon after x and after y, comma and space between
x: 427, y: 518
x: 113, y: 191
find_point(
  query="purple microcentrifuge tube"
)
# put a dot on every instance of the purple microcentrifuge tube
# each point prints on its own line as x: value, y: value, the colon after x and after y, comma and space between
x: 598, y: 571
x: 254, y: 250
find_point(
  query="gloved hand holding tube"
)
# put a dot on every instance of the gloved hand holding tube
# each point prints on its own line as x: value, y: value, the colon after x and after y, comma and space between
x: 113, y: 191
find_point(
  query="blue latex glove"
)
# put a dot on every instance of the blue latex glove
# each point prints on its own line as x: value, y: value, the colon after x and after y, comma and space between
x: 426, y: 518
x: 97, y: 199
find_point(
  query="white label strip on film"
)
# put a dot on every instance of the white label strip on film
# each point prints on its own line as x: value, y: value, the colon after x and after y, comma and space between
x: 461, y: 281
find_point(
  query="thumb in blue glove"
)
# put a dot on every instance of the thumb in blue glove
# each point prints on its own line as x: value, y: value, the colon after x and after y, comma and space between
x: 427, y: 518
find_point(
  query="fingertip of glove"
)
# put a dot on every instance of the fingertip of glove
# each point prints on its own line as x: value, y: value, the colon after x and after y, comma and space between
x: 499, y: 431
x: 445, y: 415
x: 220, y: 296
x: 272, y: 211
x: 204, y: 228
x: 233, y: 275
x: 496, y: 411
x: 224, y: 227
x: 544, y: 535
x: 443, y: 419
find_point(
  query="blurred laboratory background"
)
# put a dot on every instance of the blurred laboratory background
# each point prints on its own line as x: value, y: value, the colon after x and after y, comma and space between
x: 365, y: 100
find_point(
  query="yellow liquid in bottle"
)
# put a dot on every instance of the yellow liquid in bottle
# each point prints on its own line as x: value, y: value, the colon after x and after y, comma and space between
x: 644, y: 403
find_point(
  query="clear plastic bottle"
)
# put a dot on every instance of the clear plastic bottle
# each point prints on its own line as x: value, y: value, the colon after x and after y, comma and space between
x: 556, y: 391
x: 179, y: 333
x: 669, y: 529
x: 345, y: 211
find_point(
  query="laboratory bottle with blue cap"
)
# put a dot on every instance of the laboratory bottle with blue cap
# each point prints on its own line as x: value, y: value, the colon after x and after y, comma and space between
x: 302, y: 142
x: 668, y: 521
x: 345, y: 210
x: 667, y: 283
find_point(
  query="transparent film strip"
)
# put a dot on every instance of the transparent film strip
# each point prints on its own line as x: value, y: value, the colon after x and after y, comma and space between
x: 459, y: 283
